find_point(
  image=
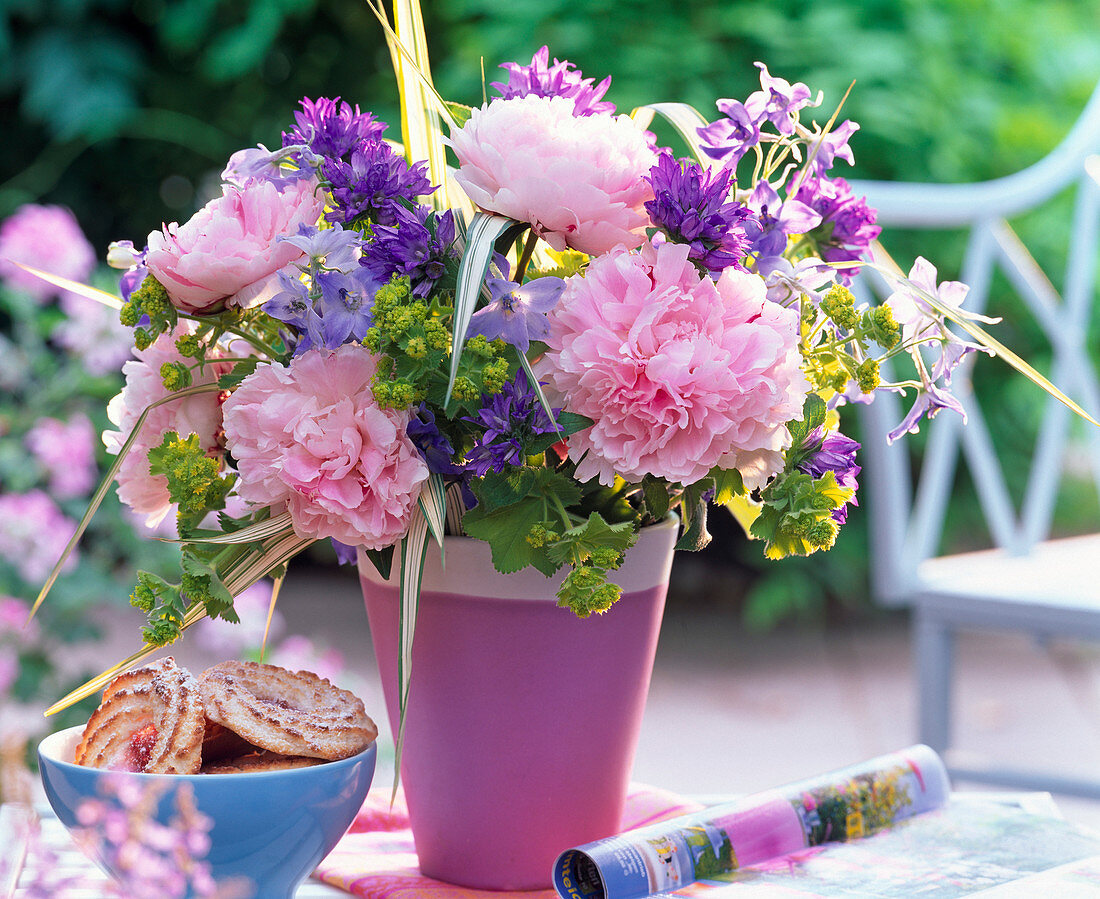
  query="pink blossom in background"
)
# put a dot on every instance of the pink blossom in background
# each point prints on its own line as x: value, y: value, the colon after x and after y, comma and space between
x: 13, y: 620
x: 298, y: 653
x: 679, y: 372
x: 47, y: 238
x: 67, y: 451
x: 9, y: 669
x: 227, y: 254
x: 201, y: 414
x: 579, y: 181
x: 33, y: 534
x: 228, y: 640
x: 312, y: 436
x: 93, y: 333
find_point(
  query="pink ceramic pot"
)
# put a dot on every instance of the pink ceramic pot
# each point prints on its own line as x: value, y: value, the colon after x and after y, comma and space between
x: 522, y: 719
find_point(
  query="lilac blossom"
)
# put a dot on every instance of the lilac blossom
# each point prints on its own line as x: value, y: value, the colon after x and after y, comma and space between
x: 419, y: 246
x: 510, y: 419
x: 835, y: 453
x: 372, y: 183
x: 847, y: 225
x: 775, y: 220
x: 692, y: 206
x: 731, y: 137
x: 562, y: 79
x: 517, y: 313
x: 332, y: 128
x: 777, y: 101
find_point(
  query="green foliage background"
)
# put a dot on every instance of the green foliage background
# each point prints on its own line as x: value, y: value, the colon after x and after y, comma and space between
x: 126, y: 112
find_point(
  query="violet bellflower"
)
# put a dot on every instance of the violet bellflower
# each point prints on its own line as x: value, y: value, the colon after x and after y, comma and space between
x: 420, y: 246
x: 837, y: 453
x: 847, y: 225
x: 331, y: 128
x: 372, y: 183
x: 562, y: 79
x: 692, y: 206
x: 517, y: 313
x: 510, y: 419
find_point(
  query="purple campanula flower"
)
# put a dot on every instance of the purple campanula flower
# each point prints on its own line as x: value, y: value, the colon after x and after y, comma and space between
x: 837, y: 454
x: 847, y: 225
x: 517, y: 314
x: 434, y: 446
x: 510, y: 418
x: 775, y: 220
x: 562, y: 79
x: 777, y: 101
x: 420, y: 246
x: 372, y: 182
x: 331, y: 128
x: 692, y: 206
x: 731, y: 137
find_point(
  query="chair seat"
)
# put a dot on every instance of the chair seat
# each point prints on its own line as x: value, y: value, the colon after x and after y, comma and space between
x: 1053, y: 590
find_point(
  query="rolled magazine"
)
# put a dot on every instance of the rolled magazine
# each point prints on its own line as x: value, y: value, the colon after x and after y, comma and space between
x: 842, y: 805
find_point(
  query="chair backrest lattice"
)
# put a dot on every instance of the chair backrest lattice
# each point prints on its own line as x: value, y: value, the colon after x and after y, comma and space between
x: 908, y: 516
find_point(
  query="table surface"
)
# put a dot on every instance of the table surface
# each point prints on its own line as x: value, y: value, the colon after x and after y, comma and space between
x: 89, y: 881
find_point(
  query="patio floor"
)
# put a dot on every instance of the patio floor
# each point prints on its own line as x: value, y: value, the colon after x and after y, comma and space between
x: 733, y: 712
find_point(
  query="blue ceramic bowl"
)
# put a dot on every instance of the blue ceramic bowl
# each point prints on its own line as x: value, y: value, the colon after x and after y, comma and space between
x: 271, y: 827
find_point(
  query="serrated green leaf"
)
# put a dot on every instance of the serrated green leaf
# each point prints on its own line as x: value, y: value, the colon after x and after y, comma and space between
x: 657, y: 500
x: 460, y: 112
x: 578, y: 543
x: 727, y: 485
x: 240, y: 371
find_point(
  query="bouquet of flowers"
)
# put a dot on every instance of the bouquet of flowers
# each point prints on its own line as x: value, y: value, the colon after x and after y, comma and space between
x: 566, y: 336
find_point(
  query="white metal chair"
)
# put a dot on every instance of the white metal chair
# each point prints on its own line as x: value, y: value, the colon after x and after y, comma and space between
x: 1028, y: 582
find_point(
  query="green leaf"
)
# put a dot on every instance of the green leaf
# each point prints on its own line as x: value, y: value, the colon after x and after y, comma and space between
x: 813, y: 416
x: 460, y: 112
x: 727, y: 485
x: 382, y: 559
x: 587, y: 540
x: 655, y: 491
x: 240, y: 371
x: 568, y: 423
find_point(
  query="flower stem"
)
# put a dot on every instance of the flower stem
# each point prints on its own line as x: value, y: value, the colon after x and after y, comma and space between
x: 525, y: 257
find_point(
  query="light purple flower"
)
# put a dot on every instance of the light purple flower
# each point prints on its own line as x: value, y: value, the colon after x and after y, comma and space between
x: 787, y: 282
x: 777, y: 101
x: 775, y: 220
x: 732, y: 136
x: 562, y: 79
x: 66, y: 450
x: 847, y: 225
x: 517, y: 314
x: 331, y: 248
x: 928, y: 403
x: 834, y: 146
x: 261, y: 164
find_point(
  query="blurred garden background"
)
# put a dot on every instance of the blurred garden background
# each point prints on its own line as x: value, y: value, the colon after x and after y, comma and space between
x: 125, y: 112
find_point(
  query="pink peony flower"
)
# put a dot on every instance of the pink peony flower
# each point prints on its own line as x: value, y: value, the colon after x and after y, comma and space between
x: 579, y: 181
x: 680, y: 373
x: 47, y: 238
x: 228, y: 253
x: 137, y: 488
x: 311, y: 435
x: 67, y: 451
x: 33, y: 534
